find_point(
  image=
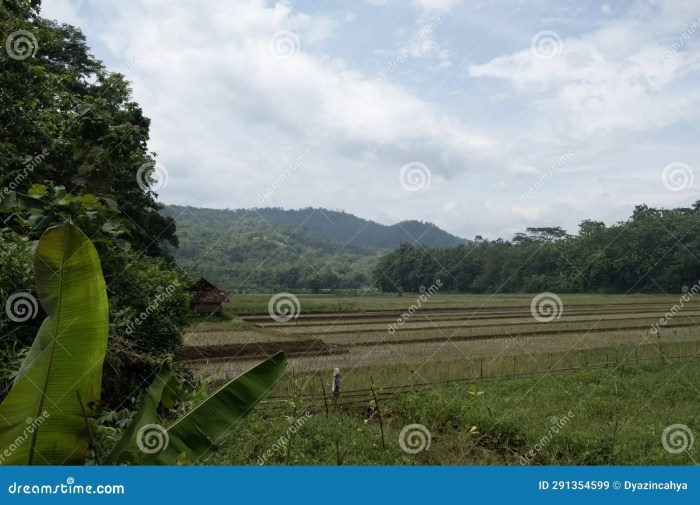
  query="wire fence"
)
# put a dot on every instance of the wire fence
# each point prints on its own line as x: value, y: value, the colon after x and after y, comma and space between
x: 363, y: 396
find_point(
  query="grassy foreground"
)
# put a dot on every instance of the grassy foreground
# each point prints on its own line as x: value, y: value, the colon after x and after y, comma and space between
x: 596, y: 417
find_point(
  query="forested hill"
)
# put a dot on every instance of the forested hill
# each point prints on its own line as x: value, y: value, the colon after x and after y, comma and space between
x: 348, y: 228
x: 272, y: 249
x: 333, y: 225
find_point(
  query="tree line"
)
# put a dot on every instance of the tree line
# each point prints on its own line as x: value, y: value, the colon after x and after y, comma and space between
x: 654, y: 251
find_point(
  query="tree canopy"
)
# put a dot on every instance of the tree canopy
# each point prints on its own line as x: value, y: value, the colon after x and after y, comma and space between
x: 69, y: 122
x: 655, y: 250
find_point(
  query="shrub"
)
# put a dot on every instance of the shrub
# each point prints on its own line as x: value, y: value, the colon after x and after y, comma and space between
x: 15, y: 276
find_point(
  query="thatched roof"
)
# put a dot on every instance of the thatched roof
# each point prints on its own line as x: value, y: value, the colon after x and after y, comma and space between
x: 205, y: 292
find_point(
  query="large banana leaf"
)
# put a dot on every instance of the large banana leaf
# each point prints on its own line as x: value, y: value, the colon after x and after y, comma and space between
x: 42, y: 418
x: 196, y: 435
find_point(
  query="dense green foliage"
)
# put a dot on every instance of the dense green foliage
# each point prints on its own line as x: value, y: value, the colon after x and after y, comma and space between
x: 655, y: 250
x: 74, y: 145
x: 78, y: 126
x: 60, y: 379
x: 272, y: 249
x: 15, y: 275
x: 242, y: 251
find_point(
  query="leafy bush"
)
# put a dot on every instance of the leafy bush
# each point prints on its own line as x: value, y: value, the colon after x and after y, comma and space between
x: 149, y: 309
x: 15, y: 276
x: 149, y: 302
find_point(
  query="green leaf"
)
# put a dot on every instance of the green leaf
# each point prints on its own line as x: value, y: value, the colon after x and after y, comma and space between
x: 195, y: 435
x: 170, y: 394
x: 125, y: 449
x: 43, y: 410
x: 88, y: 200
x: 12, y: 200
x: 36, y: 217
x: 111, y: 203
x: 38, y: 190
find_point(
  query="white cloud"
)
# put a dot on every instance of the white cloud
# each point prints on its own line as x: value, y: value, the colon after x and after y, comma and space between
x: 226, y: 110
x: 604, y: 80
x: 226, y: 113
x: 425, y: 6
x: 64, y: 10
x: 437, y: 5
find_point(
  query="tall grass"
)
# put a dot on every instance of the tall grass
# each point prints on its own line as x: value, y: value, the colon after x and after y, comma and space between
x: 615, y: 416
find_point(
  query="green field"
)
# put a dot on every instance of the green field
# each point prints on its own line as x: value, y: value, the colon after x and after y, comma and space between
x: 445, y: 337
x: 360, y: 301
x: 481, y: 373
x: 618, y: 416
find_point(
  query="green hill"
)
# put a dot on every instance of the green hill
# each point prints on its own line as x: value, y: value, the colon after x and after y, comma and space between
x: 273, y: 249
x: 348, y: 228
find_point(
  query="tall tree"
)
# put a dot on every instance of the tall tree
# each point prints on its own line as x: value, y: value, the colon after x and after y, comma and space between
x: 69, y: 122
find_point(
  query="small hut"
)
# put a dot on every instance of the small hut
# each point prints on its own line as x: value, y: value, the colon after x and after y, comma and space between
x: 206, y: 298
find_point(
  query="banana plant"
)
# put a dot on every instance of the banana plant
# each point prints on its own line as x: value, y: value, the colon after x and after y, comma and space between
x: 194, y: 436
x: 43, y: 416
x: 44, y: 419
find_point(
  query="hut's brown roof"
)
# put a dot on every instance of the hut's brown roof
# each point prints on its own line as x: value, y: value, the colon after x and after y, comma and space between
x: 205, y: 292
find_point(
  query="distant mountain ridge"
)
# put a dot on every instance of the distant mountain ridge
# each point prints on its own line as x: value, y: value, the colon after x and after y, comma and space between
x: 273, y: 248
x: 347, y: 228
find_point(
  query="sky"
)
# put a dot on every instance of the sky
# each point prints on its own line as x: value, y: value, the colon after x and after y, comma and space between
x: 482, y: 117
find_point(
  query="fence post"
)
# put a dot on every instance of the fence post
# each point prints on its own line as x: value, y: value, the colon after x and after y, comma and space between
x: 481, y: 369
x: 325, y: 400
x: 379, y: 413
